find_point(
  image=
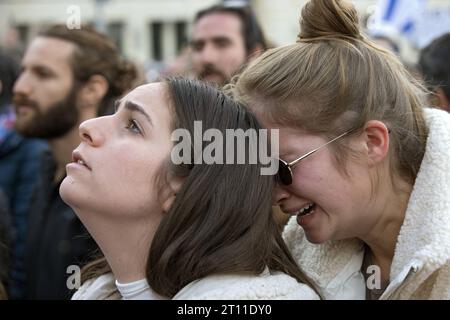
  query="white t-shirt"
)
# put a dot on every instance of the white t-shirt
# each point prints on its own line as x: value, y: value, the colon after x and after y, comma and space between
x: 137, y: 290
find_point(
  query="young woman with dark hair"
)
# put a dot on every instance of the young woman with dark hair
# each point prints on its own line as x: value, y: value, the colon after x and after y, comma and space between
x: 183, y: 231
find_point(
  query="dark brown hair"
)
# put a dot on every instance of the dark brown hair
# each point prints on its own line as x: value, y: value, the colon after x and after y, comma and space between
x: 433, y: 64
x: 251, y: 30
x: 221, y: 221
x: 9, y: 72
x: 96, y: 54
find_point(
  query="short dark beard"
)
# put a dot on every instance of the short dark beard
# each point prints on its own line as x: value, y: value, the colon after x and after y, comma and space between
x: 54, y: 123
x: 211, y: 69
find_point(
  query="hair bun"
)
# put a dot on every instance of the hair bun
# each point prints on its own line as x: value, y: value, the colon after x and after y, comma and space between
x: 329, y: 19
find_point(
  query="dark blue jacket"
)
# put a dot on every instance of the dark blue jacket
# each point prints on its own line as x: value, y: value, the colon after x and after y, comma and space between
x: 19, y: 170
x: 56, y: 239
x: 5, y: 243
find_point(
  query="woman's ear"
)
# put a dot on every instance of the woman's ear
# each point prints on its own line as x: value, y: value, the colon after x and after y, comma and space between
x: 376, y: 141
x: 170, y: 192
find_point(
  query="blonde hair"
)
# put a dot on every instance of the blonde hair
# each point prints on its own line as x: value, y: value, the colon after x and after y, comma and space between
x: 333, y: 80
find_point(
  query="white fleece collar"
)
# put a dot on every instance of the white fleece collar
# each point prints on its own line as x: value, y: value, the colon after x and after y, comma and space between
x: 424, y: 238
x: 332, y: 266
x: 425, y: 233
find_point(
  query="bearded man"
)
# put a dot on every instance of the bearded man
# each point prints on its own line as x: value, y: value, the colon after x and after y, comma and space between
x: 68, y: 76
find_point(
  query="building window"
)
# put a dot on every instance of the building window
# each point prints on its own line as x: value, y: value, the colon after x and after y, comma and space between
x: 115, y: 32
x: 24, y: 32
x: 157, y: 37
x: 181, y: 34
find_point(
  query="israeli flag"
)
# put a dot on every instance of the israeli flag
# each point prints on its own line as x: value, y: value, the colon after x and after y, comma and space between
x: 396, y: 17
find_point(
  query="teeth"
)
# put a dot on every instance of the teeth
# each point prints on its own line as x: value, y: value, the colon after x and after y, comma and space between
x: 81, y: 162
x: 306, y: 208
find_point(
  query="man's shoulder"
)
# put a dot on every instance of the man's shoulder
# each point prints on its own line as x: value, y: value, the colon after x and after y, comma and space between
x: 35, y: 146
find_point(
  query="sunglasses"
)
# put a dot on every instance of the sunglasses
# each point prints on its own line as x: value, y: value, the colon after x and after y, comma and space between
x: 285, y: 169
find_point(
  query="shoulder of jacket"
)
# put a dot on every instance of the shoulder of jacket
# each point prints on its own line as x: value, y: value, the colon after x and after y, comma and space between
x: 333, y: 266
x: 247, y: 287
x: 424, y: 242
x: 329, y: 253
x: 100, y: 288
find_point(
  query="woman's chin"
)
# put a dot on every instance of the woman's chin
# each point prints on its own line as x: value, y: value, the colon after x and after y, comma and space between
x: 67, y: 192
x: 316, y: 237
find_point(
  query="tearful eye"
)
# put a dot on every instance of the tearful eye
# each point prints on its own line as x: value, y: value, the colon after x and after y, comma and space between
x: 133, y: 126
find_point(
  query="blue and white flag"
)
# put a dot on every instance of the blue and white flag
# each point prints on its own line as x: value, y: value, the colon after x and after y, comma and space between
x: 397, y: 17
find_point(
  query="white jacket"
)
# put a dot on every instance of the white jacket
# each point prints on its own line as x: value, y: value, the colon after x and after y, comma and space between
x: 421, y: 265
x: 267, y: 286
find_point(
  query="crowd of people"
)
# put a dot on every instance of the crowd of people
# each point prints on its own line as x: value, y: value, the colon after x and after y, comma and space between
x: 359, y: 207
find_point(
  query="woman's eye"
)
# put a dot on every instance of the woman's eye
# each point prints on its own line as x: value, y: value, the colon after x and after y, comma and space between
x: 133, y: 126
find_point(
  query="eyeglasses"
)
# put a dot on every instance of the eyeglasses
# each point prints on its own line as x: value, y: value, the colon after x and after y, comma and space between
x: 285, y: 169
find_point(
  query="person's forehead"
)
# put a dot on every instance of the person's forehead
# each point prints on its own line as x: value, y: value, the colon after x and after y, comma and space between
x: 152, y: 97
x: 291, y: 141
x: 49, y: 52
x: 217, y: 24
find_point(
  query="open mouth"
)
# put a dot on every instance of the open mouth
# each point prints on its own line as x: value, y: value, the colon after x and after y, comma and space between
x: 307, y: 209
x: 304, y: 214
x: 81, y: 162
x: 76, y: 157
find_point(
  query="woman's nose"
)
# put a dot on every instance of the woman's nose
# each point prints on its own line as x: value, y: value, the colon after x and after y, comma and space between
x: 91, y: 132
x: 279, y: 194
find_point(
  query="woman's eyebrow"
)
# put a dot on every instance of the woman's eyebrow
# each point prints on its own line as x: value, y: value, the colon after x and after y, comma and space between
x: 131, y: 106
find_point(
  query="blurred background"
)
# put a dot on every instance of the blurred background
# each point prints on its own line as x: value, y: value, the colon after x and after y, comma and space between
x: 155, y: 33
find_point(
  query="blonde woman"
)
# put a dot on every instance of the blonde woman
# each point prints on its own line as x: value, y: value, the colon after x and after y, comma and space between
x: 364, y: 166
x: 176, y: 231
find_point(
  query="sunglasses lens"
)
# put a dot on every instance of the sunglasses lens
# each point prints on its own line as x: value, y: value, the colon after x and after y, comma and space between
x: 284, y: 173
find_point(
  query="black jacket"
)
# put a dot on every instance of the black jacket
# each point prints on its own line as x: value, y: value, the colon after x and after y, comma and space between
x: 56, y: 240
x: 5, y: 240
x: 20, y: 160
